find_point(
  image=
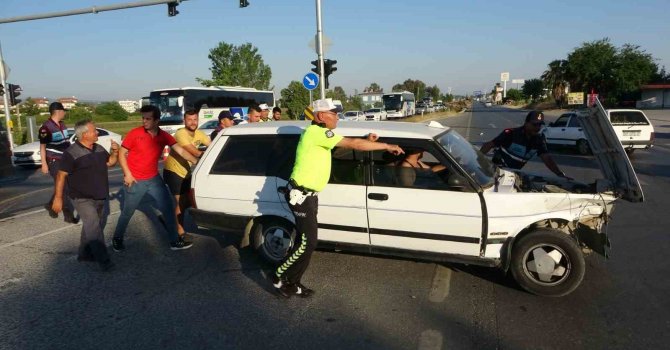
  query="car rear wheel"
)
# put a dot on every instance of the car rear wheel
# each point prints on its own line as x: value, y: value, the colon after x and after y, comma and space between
x: 547, y: 262
x: 629, y: 151
x: 272, y: 239
x: 583, y: 147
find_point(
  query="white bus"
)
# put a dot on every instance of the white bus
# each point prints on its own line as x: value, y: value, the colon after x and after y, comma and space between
x: 399, y: 104
x: 209, y: 101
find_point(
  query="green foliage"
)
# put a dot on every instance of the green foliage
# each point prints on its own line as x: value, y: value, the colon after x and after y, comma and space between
x: 295, y: 98
x: 337, y: 94
x: 416, y: 86
x: 633, y: 68
x: 79, y: 112
x: 355, y: 103
x: 373, y: 87
x: 533, y: 88
x: 237, y: 66
x: 514, y: 94
x: 377, y: 104
x: 111, y: 110
x: 556, y: 78
x: 433, y: 92
x: 30, y: 108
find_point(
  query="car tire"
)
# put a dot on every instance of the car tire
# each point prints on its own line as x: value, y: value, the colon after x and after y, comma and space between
x: 272, y: 239
x: 547, y: 262
x: 583, y: 147
x: 629, y: 151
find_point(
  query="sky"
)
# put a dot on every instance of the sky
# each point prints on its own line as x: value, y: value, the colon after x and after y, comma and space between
x: 457, y: 45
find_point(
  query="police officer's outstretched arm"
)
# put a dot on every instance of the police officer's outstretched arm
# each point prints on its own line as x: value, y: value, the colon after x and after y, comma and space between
x: 365, y: 145
x: 551, y: 165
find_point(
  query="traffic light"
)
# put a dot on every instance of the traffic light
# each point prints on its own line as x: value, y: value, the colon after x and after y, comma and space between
x: 329, y: 68
x: 14, y: 92
x: 2, y: 90
x: 316, y: 67
x: 172, y: 9
x: 244, y: 3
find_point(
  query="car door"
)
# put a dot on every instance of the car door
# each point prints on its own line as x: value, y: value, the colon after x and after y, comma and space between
x: 573, y: 131
x: 421, y: 210
x: 555, y: 132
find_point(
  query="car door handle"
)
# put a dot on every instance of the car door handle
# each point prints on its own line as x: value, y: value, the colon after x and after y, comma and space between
x: 378, y: 196
x: 580, y: 129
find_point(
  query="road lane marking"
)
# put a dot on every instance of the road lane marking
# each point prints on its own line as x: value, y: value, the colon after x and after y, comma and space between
x: 22, y: 215
x: 430, y: 340
x: 440, y: 287
x: 43, y: 234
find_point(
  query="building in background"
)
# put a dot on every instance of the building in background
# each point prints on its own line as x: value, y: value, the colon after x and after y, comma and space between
x: 370, y: 98
x: 68, y: 102
x: 129, y: 105
x: 41, y: 102
x: 654, y: 96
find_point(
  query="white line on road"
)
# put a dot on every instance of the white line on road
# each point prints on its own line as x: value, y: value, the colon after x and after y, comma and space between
x: 44, y: 234
x: 23, y: 214
x: 430, y: 340
x: 441, y: 281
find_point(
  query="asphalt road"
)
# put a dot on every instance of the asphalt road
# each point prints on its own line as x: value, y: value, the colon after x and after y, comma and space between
x: 215, y: 295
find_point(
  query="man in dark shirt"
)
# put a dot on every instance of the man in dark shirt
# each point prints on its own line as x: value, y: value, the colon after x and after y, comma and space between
x: 54, y: 140
x: 226, y: 120
x: 84, y: 167
x: 515, y: 147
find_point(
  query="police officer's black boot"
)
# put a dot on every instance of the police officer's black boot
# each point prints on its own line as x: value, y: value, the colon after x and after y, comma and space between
x: 303, y: 291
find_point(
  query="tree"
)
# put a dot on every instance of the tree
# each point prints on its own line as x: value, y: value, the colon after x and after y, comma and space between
x: 533, y: 88
x: 337, y: 94
x: 514, y: 94
x: 112, y: 110
x: 633, y: 68
x: 30, y: 108
x: 555, y: 78
x: 355, y: 103
x: 433, y: 92
x: 80, y: 111
x: 295, y: 98
x: 416, y: 86
x: 237, y: 66
x: 591, y: 66
x: 374, y: 87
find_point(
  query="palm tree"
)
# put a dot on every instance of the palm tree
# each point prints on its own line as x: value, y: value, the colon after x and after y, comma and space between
x: 555, y: 77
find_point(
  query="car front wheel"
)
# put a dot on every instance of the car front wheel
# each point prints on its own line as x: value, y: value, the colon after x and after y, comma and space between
x: 272, y: 239
x: 547, y: 262
x: 583, y: 147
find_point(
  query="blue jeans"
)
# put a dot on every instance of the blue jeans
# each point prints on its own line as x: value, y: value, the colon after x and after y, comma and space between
x: 156, y: 189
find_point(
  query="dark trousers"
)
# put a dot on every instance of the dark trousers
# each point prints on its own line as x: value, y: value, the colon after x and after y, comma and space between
x: 68, y: 210
x: 297, y: 260
x: 93, y: 215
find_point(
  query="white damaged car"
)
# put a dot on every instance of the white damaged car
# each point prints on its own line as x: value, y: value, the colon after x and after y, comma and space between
x: 456, y: 207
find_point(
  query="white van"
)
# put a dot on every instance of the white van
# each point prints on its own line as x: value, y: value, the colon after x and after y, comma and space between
x: 633, y: 128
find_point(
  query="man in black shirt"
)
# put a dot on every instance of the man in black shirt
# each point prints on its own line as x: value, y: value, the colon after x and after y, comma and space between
x: 515, y: 147
x: 84, y: 166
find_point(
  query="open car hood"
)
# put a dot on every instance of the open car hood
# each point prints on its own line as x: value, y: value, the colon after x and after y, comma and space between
x: 610, y: 154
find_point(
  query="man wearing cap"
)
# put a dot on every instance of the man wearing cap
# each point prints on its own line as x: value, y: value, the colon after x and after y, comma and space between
x: 516, y: 146
x: 177, y: 170
x: 310, y: 175
x: 54, y: 140
x: 226, y: 120
x: 265, y: 112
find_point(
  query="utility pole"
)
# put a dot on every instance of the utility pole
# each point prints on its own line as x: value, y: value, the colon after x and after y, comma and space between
x: 5, y: 98
x: 319, y: 45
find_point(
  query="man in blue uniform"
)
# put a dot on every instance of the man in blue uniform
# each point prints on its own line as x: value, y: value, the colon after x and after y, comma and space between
x: 515, y: 147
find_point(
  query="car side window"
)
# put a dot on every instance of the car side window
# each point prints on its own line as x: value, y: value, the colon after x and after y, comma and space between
x: 102, y: 132
x: 574, y: 122
x: 259, y: 155
x: 561, y: 122
x: 348, y: 167
x: 418, y: 168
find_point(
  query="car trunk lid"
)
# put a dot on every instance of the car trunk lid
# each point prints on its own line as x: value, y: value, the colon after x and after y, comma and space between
x: 610, y: 154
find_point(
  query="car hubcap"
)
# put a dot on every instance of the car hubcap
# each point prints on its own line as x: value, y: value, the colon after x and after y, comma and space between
x: 547, y: 264
x: 277, y: 242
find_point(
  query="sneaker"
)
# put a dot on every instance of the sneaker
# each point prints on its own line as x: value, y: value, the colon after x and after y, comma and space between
x: 275, y: 280
x: 117, y: 244
x: 180, y: 244
x: 286, y: 290
x: 106, y: 265
x: 303, y: 291
x: 51, y: 212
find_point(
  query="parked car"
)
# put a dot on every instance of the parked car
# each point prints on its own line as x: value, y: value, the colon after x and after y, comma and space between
x: 632, y: 128
x: 460, y: 214
x: 420, y: 108
x: 375, y: 114
x: 209, y: 126
x: 567, y: 131
x: 354, y: 115
x: 28, y: 155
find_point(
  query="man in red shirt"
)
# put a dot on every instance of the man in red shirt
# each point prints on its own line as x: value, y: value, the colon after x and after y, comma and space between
x: 140, y: 151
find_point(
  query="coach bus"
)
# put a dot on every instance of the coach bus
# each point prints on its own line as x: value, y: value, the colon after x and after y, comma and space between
x: 209, y: 101
x: 399, y: 104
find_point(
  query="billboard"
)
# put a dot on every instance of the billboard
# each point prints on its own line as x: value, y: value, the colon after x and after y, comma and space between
x: 576, y: 98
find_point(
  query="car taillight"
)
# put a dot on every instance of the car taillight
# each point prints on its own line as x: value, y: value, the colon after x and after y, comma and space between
x: 191, y: 196
x: 653, y: 136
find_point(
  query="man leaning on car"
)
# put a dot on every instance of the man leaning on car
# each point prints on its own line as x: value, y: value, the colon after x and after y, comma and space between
x: 309, y: 176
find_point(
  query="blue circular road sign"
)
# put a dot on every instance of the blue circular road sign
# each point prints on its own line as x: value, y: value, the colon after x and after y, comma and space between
x: 310, y: 81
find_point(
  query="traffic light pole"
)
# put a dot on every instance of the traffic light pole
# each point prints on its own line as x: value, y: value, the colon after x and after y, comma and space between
x: 319, y: 45
x: 5, y: 98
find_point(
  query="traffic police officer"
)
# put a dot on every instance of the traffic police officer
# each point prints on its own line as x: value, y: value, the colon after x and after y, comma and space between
x: 310, y: 175
x: 515, y: 147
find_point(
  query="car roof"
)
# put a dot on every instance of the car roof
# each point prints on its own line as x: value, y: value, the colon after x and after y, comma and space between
x: 344, y: 128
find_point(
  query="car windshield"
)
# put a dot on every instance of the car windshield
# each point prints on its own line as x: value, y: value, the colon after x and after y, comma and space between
x: 374, y: 110
x: 350, y: 114
x: 474, y: 162
x: 628, y: 118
